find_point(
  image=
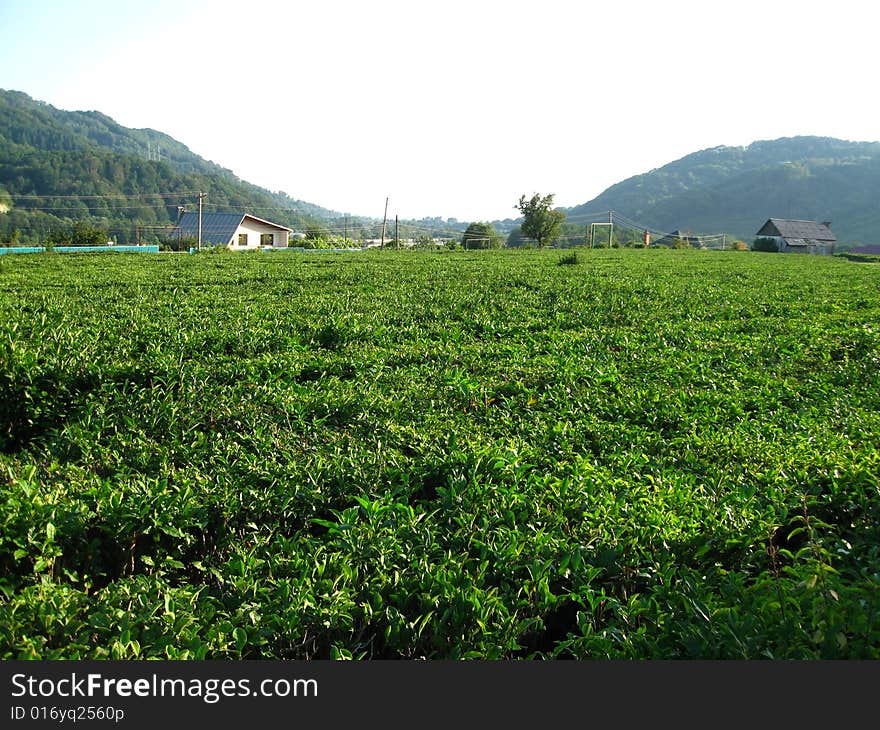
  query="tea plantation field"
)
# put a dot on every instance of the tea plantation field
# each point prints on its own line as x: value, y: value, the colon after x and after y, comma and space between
x: 641, y: 454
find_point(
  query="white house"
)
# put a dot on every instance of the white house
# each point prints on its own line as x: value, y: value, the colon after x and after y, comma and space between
x: 238, y: 231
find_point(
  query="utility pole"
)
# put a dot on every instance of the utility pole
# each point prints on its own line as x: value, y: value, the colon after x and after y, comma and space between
x: 396, y: 232
x: 201, y: 196
x: 610, y: 229
x: 384, y: 219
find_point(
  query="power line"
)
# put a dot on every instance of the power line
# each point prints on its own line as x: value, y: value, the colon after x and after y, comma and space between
x: 108, y: 196
x: 587, y: 217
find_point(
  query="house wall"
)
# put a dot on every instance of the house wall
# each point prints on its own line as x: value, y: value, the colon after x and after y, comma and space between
x: 823, y: 249
x: 254, y: 230
x: 785, y: 248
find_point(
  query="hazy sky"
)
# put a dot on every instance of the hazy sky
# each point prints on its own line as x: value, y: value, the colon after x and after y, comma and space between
x: 452, y: 108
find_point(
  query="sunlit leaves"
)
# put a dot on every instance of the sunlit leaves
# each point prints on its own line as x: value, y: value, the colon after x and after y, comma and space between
x: 468, y: 455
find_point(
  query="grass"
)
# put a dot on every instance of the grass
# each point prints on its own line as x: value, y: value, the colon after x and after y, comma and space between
x: 652, y: 454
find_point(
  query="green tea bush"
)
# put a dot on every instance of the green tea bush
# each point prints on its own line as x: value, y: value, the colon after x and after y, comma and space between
x: 479, y: 455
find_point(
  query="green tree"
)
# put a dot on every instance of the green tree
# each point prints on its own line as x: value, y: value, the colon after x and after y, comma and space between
x: 515, y: 238
x: 481, y: 235
x: 765, y: 244
x: 80, y: 233
x: 317, y: 236
x: 540, y: 222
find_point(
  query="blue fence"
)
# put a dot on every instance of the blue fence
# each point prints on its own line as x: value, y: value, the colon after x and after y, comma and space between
x: 80, y: 249
x: 21, y: 249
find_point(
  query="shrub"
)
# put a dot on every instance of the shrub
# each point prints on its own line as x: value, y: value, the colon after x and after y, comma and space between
x: 765, y: 244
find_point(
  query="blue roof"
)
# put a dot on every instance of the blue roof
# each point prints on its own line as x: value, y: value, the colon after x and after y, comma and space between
x: 217, y: 228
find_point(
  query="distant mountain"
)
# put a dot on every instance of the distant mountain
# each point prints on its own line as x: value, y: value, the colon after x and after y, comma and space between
x: 736, y: 189
x: 58, y: 166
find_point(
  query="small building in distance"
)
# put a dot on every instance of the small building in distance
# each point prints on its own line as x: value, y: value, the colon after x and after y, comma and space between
x: 796, y: 236
x: 677, y: 239
x: 238, y: 231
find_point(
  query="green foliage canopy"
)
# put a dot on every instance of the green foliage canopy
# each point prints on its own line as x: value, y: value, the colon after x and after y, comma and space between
x: 541, y: 222
x: 81, y: 233
x: 735, y: 189
x: 481, y: 235
x: 763, y: 243
x: 515, y: 238
x: 657, y: 454
x: 57, y: 167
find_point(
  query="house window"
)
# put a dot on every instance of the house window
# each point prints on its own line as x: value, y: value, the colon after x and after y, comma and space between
x: 242, y: 239
x: 267, y: 239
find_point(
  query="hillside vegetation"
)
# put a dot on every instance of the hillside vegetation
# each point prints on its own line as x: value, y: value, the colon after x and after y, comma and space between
x: 58, y: 166
x: 637, y: 454
x: 736, y: 189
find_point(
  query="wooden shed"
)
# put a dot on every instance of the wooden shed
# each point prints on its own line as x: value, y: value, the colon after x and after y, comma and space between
x: 796, y: 236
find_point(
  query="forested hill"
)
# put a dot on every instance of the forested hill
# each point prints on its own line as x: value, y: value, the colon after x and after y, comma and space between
x: 59, y: 166
x: 736, y: 189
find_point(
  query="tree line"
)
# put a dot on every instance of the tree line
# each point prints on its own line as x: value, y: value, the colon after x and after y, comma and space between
x: 541, y: 226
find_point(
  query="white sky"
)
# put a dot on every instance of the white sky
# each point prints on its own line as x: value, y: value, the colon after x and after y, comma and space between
x: 452, y: 108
